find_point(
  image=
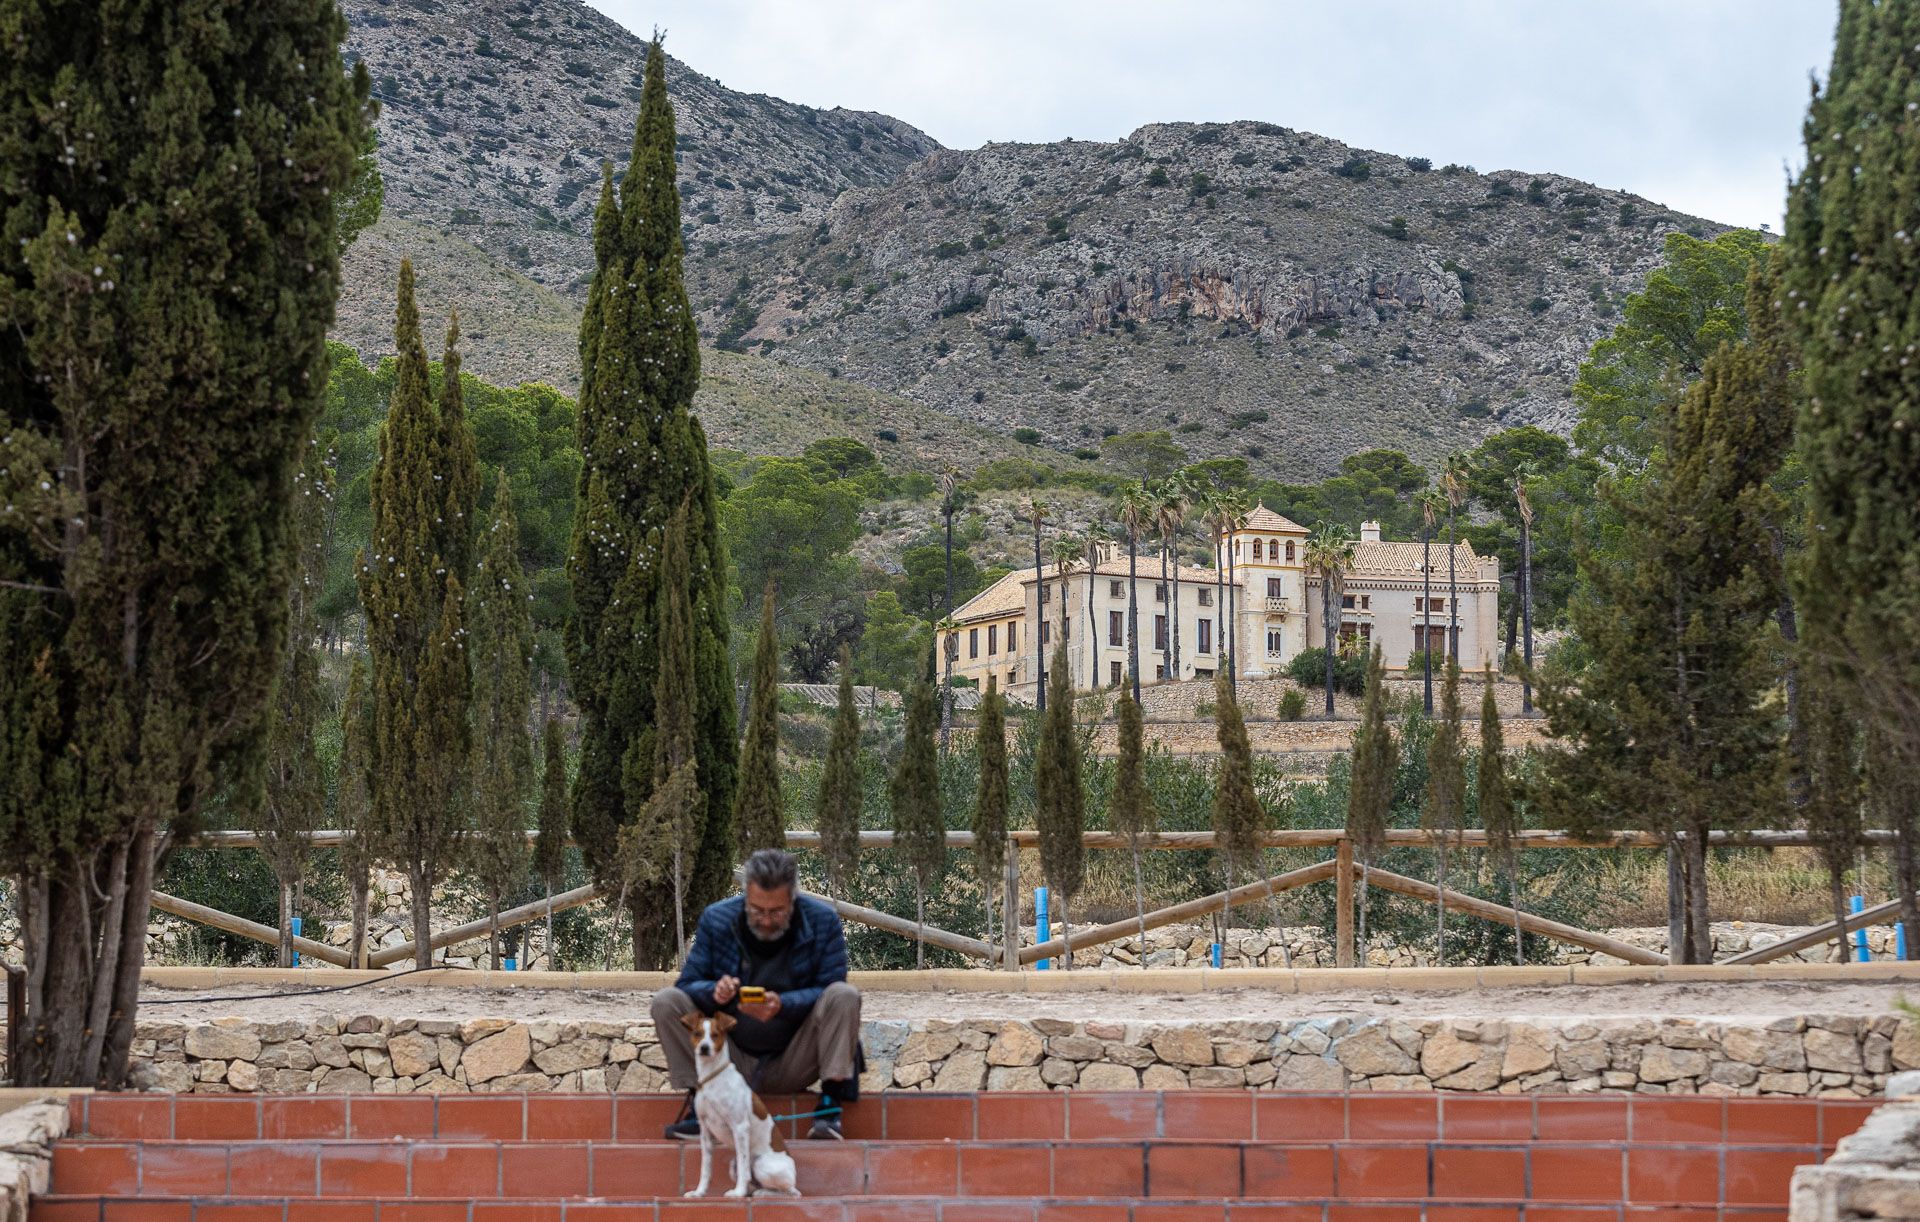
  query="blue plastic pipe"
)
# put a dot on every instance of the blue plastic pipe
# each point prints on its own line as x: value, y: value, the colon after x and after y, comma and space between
x: 296, y: 933
x: 1860, y: 952
x: 1042, y: 927
x: 1216, y: 954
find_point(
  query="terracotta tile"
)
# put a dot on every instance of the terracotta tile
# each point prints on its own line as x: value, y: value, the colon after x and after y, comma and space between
x: 859, y: 1121
x: 1670, y: 1213
x: 1243, y: 1211
x: 1761, y: 1177
x: 923, y: 1117
x: 1590, y: 1118
x: 820, y: 1168
x: 715, y: 1209
x: 1207, y: 1115
x: 1472, y: 1213
x: 215, y: 1118
x: 95, y: 1167
x: 1191, y: 1169
x: 536, y: 1170
x: 1009, y: 1170
x: 627, y: 1171
x: 1465, y: 1118
x: 1572, y: 1213
x: 152, y: 1211
x: 1342, y: 1211
x: 379, y: 1117
x: 979, y: 1211
x: 222, y: 1211
x: 88, y: 1210
x: 179, y: 1169
x: 1393, y: 1117
x: 483, y: 1118
x: 1122, y: 1114
x: 322, y: 1116
x: 1099, y: 1171
x: 1577, y: 1173
x: 1080, y: 1211
x: 141, y: 1117
x: 332, y: 1211
x: 608, y: 1211
x: 363, y: 1170
x: 1480, y: 1173
x: 1673, y: 1119
x: 1840, y: 1117
x: 644, y: 1117
x: 1011, y: 1115
x: 1390, y: 1172
x: 1288, y: 1171
x: 869, y: 1210
x: 1772, y: 1122
x: 1168, y: 1212
x: 776, y: 1210
x: 1279, y: 1116
x: 916, y: 1169
x: 423, y: 1211
x: 1752, y: 1215
x: 278, y: 1169
x: 77, y: 1114
x: 447, y: 1169
x: 569, y: 1117
x: 517, y: 1211
x: 1673, y: 1175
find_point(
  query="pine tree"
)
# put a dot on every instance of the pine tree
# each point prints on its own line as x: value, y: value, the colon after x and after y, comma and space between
x: 353, y: 804
x: 167, y: 199
x: 759, y: 817
x: 1376, y: 758
x: 1441, y: 813
x: 837, y: 808
x: 411, y: 586
x: 550, y: 850
x: 1851, y: 272
x: 1239, y: 821
x: 1133, y: 813
x: 1498, y: 814
x: 645, y: 457
x: 919, y: 828
x: 296, y: 790
x: 1060, y: 798
x: 502, y: 651
x: 990, y: 796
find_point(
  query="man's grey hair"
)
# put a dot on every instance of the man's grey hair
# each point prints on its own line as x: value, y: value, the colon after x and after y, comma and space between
x: 771, y: 869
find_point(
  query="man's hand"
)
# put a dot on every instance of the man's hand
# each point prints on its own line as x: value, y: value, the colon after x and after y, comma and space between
x: 762, y: 1011
x: 724, y: 989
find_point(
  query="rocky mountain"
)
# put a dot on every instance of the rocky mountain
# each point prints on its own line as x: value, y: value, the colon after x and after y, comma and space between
x: 1256, y: 290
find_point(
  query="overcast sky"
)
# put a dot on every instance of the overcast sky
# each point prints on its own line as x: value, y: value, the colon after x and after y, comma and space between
x: 1695, y: 104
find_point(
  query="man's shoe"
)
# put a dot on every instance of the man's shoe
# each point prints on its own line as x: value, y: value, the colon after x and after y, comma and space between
x: 687, y: 1127
x: 827, y: 1127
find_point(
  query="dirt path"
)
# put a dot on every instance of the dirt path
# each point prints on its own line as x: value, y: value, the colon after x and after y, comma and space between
x: 1746, y: 1001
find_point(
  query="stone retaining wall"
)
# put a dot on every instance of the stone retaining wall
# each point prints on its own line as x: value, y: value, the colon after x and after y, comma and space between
x: 1874, y: 1174
x: 1819, y: 1055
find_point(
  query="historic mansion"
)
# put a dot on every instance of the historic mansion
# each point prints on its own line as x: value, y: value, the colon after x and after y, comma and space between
x: 1270, y: 602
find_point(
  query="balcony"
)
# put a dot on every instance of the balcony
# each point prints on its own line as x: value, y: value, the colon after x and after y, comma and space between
x: 1277, y: 605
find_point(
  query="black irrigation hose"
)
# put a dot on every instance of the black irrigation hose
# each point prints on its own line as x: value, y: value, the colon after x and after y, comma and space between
x: 328, y: 988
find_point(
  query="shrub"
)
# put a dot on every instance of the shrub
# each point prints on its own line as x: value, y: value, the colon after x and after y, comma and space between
x: 1026, y: 436
x: 1086, y: 455
x: 1309, y: 669
x: 1191, y: 426
x: 1057, y: 226
x: 1420, y: 165
x: 886, y: 434
x: 1204, y: 709
x: 948, y: 250
x: 1396, y: 229
x: 1201, y: 183
x: 1537, y: 191
x: 962, y: 305
x: 1355, y: 168
x: 1258, y: 415
x: 1157, y: 176
x: 1540, y: 305
x: 1293, y: 705
x: 1243, y: 158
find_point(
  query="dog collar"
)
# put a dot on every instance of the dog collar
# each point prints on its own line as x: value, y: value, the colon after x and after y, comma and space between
x: 715, y: 1072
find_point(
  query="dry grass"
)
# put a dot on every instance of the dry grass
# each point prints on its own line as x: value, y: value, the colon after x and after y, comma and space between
x: 1771, y: 886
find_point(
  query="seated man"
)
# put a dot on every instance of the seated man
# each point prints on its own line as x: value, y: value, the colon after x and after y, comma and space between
x: 807, y: 1028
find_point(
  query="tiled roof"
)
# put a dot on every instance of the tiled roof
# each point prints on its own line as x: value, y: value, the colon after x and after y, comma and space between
x: 1263, y: 518
x: 1003, y: 597
x: 1400, y: 560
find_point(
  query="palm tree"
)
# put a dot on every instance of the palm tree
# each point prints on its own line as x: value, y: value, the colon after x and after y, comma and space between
x: 1525, y: 505
x: 1237, y: 507
x: 949, y: 502
x: 1176, y: 496
x: 1097, y: 536
x: 1065, y: 553
x: 1216, y: 512
x: 1135, y: 512
x: 1330, y: 553
x: 1036, y: 511
x: 948, y: 630
x: 1428, y: 508
x: 1453, y: 486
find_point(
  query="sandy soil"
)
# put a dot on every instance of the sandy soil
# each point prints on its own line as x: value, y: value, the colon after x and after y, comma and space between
x: 1748, y: 1001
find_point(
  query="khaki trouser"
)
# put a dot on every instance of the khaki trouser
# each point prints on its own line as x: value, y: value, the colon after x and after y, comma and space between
x: 822, y: 1049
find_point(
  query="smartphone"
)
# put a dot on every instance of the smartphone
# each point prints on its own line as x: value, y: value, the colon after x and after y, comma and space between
x: 752, y: 994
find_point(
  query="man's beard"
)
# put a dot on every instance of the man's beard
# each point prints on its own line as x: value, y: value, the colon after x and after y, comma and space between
x: 774, y: 936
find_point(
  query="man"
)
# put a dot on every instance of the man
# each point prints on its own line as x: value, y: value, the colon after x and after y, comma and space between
x: 808, y: 1026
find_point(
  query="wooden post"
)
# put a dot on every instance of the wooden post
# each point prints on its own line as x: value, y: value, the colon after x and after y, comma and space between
x: 1010, y: 910
x: 1343, y: 904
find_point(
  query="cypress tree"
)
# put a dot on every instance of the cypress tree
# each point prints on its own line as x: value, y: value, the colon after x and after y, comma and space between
x: 411, y: 586
x: 1852, y: 268
x: 1370, y: 787
x: 1060, y: 797
x: 1238, y: 819
x: 1830, y: 769
x: 837, y: 808
x: 919, y: 830
x: 1498, y: 814
x: 550, y: 850
x: 502, y: 650
x: 296, y: 790
x: 644, y: 459
x: 167, y: 195
x: 990, y: 796
x: 1446, y: 800
x: 1133, y: 813
x: 353, y: 804
x: 759, y: 818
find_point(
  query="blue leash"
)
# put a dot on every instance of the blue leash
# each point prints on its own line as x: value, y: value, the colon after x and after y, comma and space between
x: 825, y: 1111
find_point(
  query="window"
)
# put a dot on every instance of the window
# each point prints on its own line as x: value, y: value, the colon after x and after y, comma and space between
x: 1046, y: 592
x: 973, y: 642
x: 1273, y: 642
x: 1274, y: 589
x: 1435, y: 604
x: 1012, y: 646
x: 1066, y: 630
x: 1346, y: 602
x: 993, y: 639
x: 1116, y: 628
x: 1289, y: 551
x: 1257, y: 550
x: 1366, y: 602
x: 1206, y: 596
x: 1159, y: 632
x: 1046, y: 631
x: 1203, y: 639
x: 1159, y: 594
x: 1113, y: 674
x: 1116, y: 589
x: 1159, y: 670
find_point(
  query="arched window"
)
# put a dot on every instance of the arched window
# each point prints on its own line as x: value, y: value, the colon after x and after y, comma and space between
x: 1289, y: 551
x: 1256, y: 549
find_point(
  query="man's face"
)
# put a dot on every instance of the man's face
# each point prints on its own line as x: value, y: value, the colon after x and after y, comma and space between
x: 769, y: 911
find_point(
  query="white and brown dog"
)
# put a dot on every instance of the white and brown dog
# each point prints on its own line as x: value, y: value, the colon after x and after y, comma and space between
x: 730, y: 1113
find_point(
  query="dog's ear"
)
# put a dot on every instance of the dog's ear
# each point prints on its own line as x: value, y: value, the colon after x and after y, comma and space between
x: 723, y: 1022
x: 692, y: 1019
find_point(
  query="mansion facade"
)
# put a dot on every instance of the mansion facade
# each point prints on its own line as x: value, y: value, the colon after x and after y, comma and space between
x: 1269, y: 607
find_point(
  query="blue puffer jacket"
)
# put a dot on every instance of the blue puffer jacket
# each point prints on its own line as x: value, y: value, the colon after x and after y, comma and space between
x: 819, y: 953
